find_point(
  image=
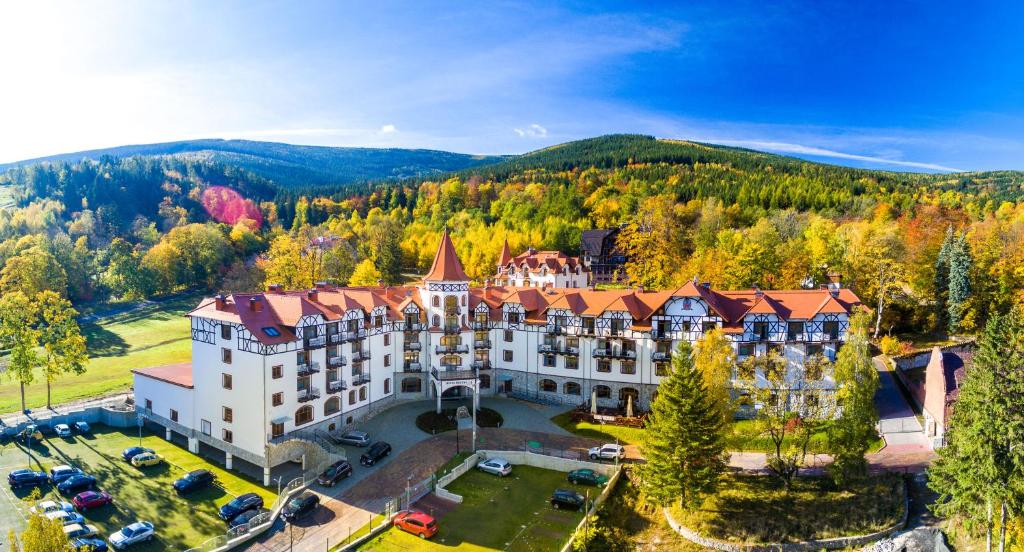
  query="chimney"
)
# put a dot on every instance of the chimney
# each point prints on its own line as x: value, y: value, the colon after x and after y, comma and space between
x: 639, y: 289
x: 220, y: 301
x: 320, y: 285
x: 487, y: 283
x: 835, y: 280
x: 758, y: 293
x: 706, y: 285
x: 380, y: 283
x: 312, y: 295
x: 255, y: 304
x: 275, y: 288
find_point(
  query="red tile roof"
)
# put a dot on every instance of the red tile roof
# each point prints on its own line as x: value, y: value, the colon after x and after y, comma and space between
x: 177, y: 374
x: 447, y: 267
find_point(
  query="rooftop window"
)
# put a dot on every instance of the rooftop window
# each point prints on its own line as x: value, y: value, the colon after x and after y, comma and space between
x: 271, y: 331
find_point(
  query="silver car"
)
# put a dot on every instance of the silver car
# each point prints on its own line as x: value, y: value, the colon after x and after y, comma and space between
x: 355, y: 438
x: 495, y: 466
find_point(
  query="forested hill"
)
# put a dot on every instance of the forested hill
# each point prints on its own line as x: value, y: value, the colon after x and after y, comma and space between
x: 289, y: 165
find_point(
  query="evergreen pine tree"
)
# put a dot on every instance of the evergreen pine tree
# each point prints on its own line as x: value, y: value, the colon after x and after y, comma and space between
x: 959, y: 288
x: 942, y: 275
x: 684, y: 442
x: 979, y: 467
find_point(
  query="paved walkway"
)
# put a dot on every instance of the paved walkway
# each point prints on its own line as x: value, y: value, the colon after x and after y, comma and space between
x: 898, y: 422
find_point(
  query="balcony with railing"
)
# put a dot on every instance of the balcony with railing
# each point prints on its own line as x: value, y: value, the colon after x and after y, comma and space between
x: 412, y: 346
x: 412, y: 327
x: 477, y: 324
x: 451, y: 373
x: 555, y: 329
x: 334, y: 338
x: 452, y: 329
x: 482, y: 344
x: 307, y: 368
x: 547, y: 347
x: 556, y: 349
x: 353, y: 335
x: 336, y: 386
x: 359, y: 356
x: 338, y: 360
x: 481, y: 364
x: 362, y: 378
x: 615, y: 352
x: 661, y: 356
x: 412, y: 366
x: 316, y: 342
x: 451, y: 349
x: 308, y: 394
x: 661, y: 335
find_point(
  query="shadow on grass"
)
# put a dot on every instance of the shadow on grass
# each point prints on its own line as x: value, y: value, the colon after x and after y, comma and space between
x: 102, y: 342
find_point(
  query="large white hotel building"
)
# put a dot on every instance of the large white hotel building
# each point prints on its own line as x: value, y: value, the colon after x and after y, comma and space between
x: 270, y: 366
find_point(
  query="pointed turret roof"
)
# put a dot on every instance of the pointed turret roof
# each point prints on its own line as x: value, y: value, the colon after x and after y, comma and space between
x: 447, y: 267
x: 506, y: 255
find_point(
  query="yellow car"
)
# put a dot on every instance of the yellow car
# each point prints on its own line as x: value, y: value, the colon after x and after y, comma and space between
x: 146, y: 459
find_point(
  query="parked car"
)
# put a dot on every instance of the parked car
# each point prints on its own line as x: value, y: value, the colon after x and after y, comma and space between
x: 355, y: 438
x: 91, y: 499
x: 66, y: 518
x: 76, y: 484
x: 146, y: 459
x: 89, y: 544
x: 587, y: 477
x: 242, y: 503
x: 608, y: 452
x: 140, y: 531
x: 30, y: 435
x: 26, y: 478
x: 246, y: 517
x: 132, y: 452
x: 82, y: 427
x: 300, y: 506
x: 62, y: 430
x: 568, y: 499
x: 417, y: 523
x: 47, y: 506
x: 193, y: 480
x: 495, y: 466
x: 375, y: 453
x: 77, y: 531
x: 60, y: 473
x: 334, y: 473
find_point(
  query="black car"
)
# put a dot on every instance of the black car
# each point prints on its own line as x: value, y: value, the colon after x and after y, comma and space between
x: 76, y: 484
x: 132, y: 452
x: 246, y: 517
x: 300, y: 506
x: 243, y: 503
x: 375, y: 453
x: 334, y: 473
x: 193, y: 480
x: 570, y: 500
x: 91, y: 544
x: 26, y: 478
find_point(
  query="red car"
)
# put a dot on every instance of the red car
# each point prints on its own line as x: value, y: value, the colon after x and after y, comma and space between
x: 417, y: 523
x: 91, y: 499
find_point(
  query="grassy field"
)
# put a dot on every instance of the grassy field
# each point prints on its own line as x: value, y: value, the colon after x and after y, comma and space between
x: 603, y: 432
x: 151, y: 336
x: 509, y: 513
x: 758, y: 509
x: 144, y: 494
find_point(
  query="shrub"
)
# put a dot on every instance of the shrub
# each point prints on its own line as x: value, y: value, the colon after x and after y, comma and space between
x: 890, y: 345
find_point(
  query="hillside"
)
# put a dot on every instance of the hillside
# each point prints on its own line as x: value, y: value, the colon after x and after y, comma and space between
x: 290, y: 165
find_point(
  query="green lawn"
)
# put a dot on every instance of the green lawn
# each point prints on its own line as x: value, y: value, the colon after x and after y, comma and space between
x: 751, y: 508
x: 155, y: 335
x: 509, y: 513
x: 139, y: 494
x: 743, y: 437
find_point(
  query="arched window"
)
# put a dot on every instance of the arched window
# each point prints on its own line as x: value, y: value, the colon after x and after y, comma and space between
x: 548, y: 386
x: 463, y: 300
x: 485, y: 381
x: 627, y: 392
x: 362, y: 393
x: 451, y: 305
x: 304, y: 415
x: 436, y: 301
x: 352, y: 397
x: 436, y: 321
x: 571, y: 388
x: 332, y: 406
x: 387, y: 386
x: 603, y: 391
x: 412, y: 385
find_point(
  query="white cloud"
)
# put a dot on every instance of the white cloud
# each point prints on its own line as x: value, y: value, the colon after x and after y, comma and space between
x: 532, y: 131
x: 785, y: 147
x: 388, y: 129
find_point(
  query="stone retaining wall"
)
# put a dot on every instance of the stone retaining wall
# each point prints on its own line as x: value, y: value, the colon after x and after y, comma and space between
x: 838, y: 543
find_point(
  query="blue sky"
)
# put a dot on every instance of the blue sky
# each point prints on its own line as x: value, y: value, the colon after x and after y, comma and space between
x: 903, y: 85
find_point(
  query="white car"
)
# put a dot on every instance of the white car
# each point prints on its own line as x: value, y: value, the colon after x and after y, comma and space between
x: 49, y: 506
x: 62, y: 430
x: 140, y: 531
x: 66, y: 518
x: 77, y: 530
x: 495, y: 466
x: 608, y: 452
